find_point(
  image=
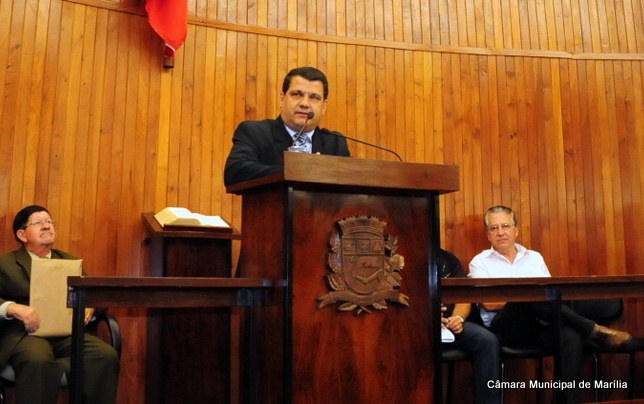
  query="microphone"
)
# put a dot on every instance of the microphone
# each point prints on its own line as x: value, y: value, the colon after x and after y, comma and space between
x: 310, y: 115
x: 338, y: 134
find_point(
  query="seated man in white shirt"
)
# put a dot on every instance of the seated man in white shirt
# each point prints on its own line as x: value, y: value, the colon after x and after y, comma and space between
x: 517, y: 323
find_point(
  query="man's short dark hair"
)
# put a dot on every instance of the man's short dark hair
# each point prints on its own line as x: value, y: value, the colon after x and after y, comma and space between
x: 309, y: 73
x: 22, y: 218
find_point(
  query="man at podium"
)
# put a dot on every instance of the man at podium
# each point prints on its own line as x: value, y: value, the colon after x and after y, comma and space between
x: 258, y: 145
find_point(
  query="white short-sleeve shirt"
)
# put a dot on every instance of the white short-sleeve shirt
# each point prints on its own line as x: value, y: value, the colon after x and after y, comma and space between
x: 491, y: 264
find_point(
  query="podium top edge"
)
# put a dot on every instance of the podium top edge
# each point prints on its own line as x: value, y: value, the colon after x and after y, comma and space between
x: 347, y: 172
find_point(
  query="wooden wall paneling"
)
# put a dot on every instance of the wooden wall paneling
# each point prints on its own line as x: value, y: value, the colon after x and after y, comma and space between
x: 572, y: 160
x: 6, y: 26
x: 538, y: 215
x: 219, y: 111
x: 448, y: 67
x: 379, y: 123
x: 605, y: 149
x: 472, y: 231
x: 238, y: 47
x: 232, y: 108
x: 407, y: 146
x: 358, y: 79
x: 123, y: 147
x: 483, y: 107
x: 589, y: 146
x: 535, y: 217
x: 184, y: 131
x: 523, y: 133
x: 636, y: 122
x: 431, y: 147
x: 623, y: 26
x: 509, y: 136
x: 557, y: 17
x: 63, y: 142
x: 401, y: 72
x: 615, y: 103
x: 155, y: 163
x: 353, y: 74
x: 344, y: 105
x: 137, y: 135
x: 598, y: 44
x: 111, y: 163
x: 502, y: 151
x: 385, y: 9
x: 347, y: 19
x: 202, y: 168
x: 218, y: 145
x: 6, y: 140
x: 471, y: 147
x: 390, y: 109
x: 11, y: 105
x: 378, y: 30
x: 374, y: 98
x: 627, y: 145
x: 416, y: 112
x: 161, y: 106
x: 470, y: 19
x: 460, y: 139
x: 637, y: 39
x: 26, y: 124
x: 597, y: 244
x: 261, y: 75
x: 93, y: 74
x: 554, y: 128
x: 579, y: 132
x: 193, y: 87
x: 175, y: 143
x: 83, y: 49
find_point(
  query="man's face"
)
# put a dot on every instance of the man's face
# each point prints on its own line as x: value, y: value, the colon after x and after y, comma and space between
x: 39, y: 231
x: 501, y: 231
x: 302, y: 97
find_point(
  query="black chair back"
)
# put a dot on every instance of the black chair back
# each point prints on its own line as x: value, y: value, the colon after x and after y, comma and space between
x: 599, y: 310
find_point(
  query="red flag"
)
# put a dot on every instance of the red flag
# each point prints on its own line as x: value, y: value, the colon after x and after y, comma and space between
x: 169, y: 18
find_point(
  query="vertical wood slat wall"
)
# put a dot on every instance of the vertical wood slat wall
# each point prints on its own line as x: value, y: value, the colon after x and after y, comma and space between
x: 540, y: 103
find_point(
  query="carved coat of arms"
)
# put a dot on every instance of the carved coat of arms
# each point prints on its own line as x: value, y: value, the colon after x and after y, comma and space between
x: 364, y: 267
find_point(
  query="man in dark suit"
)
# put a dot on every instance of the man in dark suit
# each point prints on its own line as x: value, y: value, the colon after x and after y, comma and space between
x: 39, y: 362
x: 258, y: 145
x: 481, y: 345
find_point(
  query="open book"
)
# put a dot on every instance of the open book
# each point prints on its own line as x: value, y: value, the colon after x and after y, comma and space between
x: 183, y: 219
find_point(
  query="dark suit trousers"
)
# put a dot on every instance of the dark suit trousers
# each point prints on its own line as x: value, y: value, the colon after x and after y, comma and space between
x: 39, y: 364
x: 532, y: 323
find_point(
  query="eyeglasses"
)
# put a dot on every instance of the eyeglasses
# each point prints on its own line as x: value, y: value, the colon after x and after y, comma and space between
x: 496, y: 227
x: 40, y: 223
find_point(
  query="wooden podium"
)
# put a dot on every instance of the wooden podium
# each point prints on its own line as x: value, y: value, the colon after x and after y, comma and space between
x: 189, y: 345
x: 334, y: 232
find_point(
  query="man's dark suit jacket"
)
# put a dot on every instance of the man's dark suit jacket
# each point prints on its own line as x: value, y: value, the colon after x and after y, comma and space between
x: 15, y: 276
x: 258, y: 147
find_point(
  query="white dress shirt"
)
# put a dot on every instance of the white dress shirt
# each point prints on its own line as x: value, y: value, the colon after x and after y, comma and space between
x: 490, y: 264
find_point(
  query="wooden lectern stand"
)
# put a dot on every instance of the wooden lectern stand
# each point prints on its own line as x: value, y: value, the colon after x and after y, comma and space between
x: 333, y: 232
x: 180, y: 338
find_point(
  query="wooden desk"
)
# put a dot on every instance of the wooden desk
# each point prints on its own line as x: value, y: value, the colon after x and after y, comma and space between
x: 157, y: 292
x: 554, y: 289
x: 463, y: 290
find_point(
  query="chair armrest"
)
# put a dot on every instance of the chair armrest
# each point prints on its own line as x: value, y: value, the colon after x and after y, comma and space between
x: 111, y: 325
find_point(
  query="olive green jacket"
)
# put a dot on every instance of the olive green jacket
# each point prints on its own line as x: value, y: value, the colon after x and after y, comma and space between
x: 15, y: 275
